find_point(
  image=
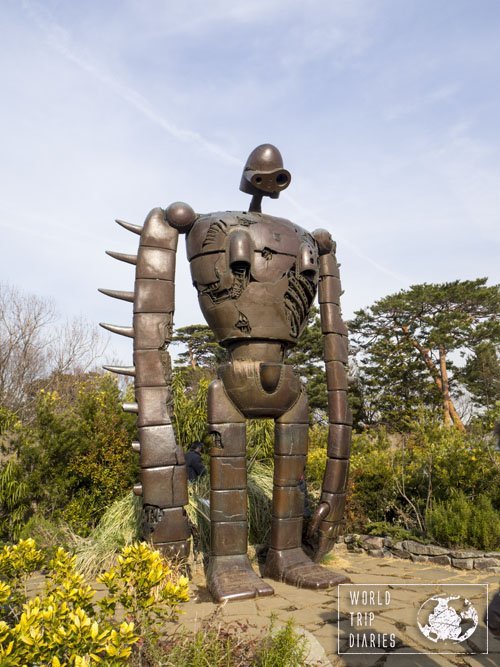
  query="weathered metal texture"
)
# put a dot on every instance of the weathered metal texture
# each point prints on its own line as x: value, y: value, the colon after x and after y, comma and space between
x: 293, y: 567
x: 227, y: 439
x: 157, y: 447
x: 256, y: 276
x: 339, y: 441
x: 163, y: 484
x: 286, y: 533
x: 171, y: 526
x: 228, y: 505
x: 228, y: 538
x: 243, y: 384
x: 291, y: 439
x: 288, y: 502
x: 228, y: 472
x: 231, y: 578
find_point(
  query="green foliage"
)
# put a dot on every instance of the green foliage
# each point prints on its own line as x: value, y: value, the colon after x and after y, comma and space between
x: 462, y: 521
x: 481, y: 375
x: 202, y: 350
x: 14, y: 499
x: 218, y: 643
x: 64, y: 627
x: 307, y: 357
x: 283, y: 647
x: 404, y: 342
x: 190, y: 409
x: 75, y: 459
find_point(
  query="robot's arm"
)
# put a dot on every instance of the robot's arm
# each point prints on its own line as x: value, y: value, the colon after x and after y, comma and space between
x: 325, y: 523
x: 163, y: 484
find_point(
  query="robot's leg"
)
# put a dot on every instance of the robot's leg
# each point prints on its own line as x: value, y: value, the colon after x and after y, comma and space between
x: 286, y: 560
x: 230, y: 575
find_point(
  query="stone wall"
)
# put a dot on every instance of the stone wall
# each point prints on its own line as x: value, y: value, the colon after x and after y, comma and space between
x: 462, y: 559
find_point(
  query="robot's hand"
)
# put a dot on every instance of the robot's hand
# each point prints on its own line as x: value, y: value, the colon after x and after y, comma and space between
x: 321, y: 534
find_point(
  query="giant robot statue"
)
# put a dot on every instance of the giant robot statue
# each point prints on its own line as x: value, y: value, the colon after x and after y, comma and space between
x: 256, y: 277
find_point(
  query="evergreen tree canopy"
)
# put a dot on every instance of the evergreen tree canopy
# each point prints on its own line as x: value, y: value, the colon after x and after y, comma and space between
x: 406, y: 345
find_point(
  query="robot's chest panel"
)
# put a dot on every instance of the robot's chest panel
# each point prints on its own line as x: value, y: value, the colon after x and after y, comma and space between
x: 255, y: 269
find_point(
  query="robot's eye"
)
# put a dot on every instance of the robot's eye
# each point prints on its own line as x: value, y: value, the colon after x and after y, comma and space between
x: 258, y: 179
x: 281, y: 179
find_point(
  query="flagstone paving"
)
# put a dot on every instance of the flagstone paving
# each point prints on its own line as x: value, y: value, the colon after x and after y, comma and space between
x: 317, y: 613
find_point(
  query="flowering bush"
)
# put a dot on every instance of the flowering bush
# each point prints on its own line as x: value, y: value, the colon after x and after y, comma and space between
x: 63, y: 626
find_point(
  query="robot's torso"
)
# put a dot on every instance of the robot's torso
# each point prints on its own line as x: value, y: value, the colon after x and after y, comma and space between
x: 256, y: 275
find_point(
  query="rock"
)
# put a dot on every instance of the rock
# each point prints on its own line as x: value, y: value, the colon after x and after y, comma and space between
x: 372, y: 542
x: 495, y: 570
x: 316, y: 654
x: 377, y: 553
x: 400, y: 553
x: 440, y: 560
x: 492, y: 554
x: 416, y: 558
x: 485, y: 563
x: 463, y: 563
x: 424, y: 549
x: 348, y: 539
x: 398, y: 545
x: 460, y: 553
x: 387, y: 541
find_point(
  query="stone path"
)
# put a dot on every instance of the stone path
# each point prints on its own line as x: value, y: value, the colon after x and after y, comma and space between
x: 317, y: 613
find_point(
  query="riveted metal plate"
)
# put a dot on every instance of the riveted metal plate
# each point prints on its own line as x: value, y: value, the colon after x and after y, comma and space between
x: 328, y: 266
x: 337, y: 505
x: 172, y: 527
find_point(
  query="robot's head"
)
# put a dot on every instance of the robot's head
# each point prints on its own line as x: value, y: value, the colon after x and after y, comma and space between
x: 264, y: 174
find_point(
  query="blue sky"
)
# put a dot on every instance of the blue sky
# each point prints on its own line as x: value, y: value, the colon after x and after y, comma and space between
x: 386, y: 112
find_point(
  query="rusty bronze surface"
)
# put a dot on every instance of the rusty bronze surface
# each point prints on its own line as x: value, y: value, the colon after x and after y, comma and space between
x: 256, y: 277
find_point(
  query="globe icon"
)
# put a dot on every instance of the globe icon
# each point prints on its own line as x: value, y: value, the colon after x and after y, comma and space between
x: 447, y: 618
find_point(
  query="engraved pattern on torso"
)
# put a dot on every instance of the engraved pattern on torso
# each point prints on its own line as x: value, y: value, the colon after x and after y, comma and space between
x: 268, y: 298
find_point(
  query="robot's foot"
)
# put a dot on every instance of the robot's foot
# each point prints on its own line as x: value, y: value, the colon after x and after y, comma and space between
x: 293, y: 567
x: 232, y: 578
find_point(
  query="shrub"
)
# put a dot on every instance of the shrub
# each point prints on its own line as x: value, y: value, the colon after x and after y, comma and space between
x: 282, y: 648
x: 460, y: 521
x: 63, y: 627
